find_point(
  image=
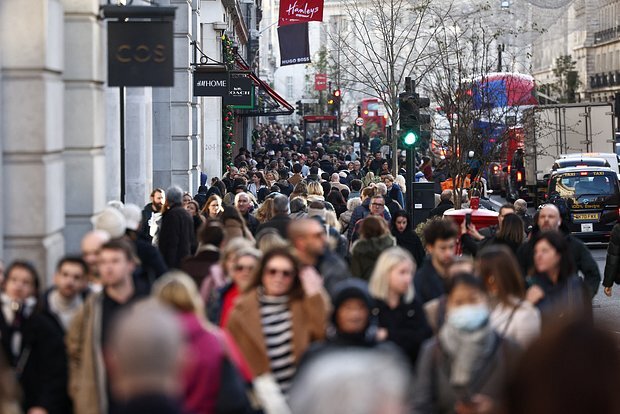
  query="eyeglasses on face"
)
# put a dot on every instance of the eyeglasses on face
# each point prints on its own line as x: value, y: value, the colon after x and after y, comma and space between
x: 378, y: 205
x: 240, y: 268
x: 270, y: 271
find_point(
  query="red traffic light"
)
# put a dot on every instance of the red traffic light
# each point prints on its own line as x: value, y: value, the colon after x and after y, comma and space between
x: 337, y: 93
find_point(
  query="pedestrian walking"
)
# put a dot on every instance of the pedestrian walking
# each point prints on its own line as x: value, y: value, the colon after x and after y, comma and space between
x: 401, y: 318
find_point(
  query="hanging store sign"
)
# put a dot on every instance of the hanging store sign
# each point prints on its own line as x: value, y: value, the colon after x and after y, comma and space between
x: 294, y: 44
x: 211, y: 83
x: 236, y: 89
x: 140, y: 54
x: 240, y: 92
x: 300, y: 11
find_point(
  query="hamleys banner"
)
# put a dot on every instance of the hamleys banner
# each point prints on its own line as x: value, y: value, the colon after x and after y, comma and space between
x: 300, y: 11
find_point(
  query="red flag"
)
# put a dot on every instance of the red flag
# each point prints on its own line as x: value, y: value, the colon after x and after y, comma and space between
x: 300, y: 11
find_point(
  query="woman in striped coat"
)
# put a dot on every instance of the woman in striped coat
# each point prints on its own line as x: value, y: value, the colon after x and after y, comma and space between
x: 281, y: 313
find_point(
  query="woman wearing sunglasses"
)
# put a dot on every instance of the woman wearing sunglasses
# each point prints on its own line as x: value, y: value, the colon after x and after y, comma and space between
x: 281, y: 312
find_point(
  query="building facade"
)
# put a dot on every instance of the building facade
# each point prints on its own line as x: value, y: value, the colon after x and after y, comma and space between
x: 64, y: 132
x: 589, y: 31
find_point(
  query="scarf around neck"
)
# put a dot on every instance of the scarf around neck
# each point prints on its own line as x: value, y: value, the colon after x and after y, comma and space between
x: 467, y: 351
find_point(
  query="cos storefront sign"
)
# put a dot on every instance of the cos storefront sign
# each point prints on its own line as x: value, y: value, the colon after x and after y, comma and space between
x: 236, y: 89
x: 140, y: 54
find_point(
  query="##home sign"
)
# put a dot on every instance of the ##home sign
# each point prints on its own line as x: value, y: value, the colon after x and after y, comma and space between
x: 300, y: 11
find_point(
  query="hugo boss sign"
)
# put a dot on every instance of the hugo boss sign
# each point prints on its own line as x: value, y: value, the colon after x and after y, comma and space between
x: 140, y: 54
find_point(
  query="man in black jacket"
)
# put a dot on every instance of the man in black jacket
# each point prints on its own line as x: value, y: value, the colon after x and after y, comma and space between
x: 176, y: 234
x: 549, y: 219
x: 430, y: 280
x: 309, y: 239
x: 158, y: 197
x: 243, y: 204
x: 445, y: 203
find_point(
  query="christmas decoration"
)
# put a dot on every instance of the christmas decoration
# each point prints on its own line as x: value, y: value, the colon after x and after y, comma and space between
x: 228, y: 57
x: 227, y: 136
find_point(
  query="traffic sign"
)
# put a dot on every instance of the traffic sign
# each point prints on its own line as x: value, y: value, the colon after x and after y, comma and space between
x: 359, y: 121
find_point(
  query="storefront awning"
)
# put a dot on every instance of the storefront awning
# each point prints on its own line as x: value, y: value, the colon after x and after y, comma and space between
x: 269, y: 102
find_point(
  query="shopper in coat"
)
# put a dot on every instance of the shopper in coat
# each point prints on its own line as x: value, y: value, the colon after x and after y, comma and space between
x: 401, y: 318
x: 511, y: 315
x: 464, y: 367
x: 176, y: 234
x: 282, y: 301
x: 612, y: 263
x: 549, y: 218
x: 555, y: 288
x: 405, y: 236
x: 33, y: 341
x: 375, y: 237
x: 210, y: 381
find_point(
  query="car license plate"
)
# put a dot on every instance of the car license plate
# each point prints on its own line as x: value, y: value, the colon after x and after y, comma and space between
x: 587, y: 227
x: 586, y: 216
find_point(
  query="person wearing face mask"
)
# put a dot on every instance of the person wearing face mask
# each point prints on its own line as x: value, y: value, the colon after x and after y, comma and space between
x: 463, y: 368
x: 399, y: 312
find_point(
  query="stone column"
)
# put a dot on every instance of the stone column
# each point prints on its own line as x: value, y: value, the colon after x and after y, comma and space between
x: 32, y: 105
x: 172, y: 110
x: 212, y: 111
x: 138, y: 145
x: 197, y: 140
x: 84, y: 118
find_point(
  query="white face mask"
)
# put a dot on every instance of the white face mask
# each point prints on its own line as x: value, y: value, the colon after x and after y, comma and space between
x: 469, y: 317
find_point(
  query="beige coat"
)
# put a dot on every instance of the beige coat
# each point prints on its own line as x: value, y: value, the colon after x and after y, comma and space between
x: 86, y: 367
x: 309, y: 318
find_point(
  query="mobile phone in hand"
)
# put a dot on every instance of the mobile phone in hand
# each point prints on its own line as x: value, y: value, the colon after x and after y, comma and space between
x: 467, y: 220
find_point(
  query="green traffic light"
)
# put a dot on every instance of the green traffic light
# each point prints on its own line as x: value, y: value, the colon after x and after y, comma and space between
x: 410, y: 138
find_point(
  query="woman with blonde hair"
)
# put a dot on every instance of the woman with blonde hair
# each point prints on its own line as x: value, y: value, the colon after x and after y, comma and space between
x: 400, y: 315
x: 315, y: 192
x: 203, y: 377
x: 300, y: 190
x: 219, y: 274
x: 265, y: 212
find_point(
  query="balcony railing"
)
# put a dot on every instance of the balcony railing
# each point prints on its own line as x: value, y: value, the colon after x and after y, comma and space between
x: 605, y: 79
x: 607, y: 35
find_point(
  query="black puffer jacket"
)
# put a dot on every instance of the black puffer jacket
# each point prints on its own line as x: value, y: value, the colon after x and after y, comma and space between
x: 584, y: 262
x: 612, y: 264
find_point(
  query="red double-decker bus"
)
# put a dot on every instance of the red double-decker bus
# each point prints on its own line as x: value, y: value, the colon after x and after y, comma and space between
x: 374, y: 115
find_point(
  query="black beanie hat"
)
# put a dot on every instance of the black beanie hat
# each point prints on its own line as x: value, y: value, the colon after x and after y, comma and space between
x: 349, y: 289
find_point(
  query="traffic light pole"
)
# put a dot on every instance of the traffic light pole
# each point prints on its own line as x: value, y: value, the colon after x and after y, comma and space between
x: 410, y: 180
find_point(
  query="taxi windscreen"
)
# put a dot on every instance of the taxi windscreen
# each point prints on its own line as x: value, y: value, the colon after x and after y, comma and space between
x: 576, y: 186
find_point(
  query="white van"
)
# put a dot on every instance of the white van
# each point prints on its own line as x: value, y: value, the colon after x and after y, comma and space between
x: 610, y: 157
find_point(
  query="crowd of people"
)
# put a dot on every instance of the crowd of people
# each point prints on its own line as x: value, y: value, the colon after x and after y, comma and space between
x: 297, y: 283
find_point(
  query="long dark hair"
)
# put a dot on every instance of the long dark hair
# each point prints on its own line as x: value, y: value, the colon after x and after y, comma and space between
x: 512, y: 230
x: 400, y: 213
x: 261, y: 178
x: 499, y: 263
x: 560, y: 245
x: 27, y: 266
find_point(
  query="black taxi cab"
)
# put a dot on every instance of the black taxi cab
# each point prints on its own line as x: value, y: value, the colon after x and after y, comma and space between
x: 588, y: 198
